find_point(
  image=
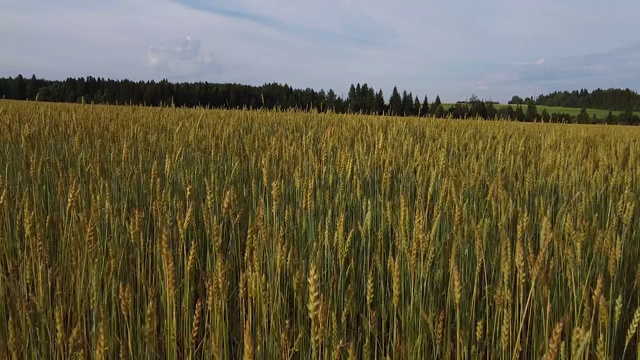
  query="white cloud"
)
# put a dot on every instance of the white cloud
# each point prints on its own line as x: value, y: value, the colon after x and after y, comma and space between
x: 185, y: 60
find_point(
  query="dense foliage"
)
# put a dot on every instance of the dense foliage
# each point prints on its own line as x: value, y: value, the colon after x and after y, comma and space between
x: 138, y: 233
x: 360, y: 99
x: 611, y: 99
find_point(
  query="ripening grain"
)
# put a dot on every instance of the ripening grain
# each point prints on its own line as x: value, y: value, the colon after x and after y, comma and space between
x: 135, y: 233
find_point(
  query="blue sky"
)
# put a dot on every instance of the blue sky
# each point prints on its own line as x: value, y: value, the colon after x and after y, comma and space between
x: 493, y: 48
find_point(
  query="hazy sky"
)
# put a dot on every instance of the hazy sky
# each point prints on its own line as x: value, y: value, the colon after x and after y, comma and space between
x: 493, y: 48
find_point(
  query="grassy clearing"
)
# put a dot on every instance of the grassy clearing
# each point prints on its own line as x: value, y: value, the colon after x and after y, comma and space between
x: 600, y: 114
x: 170, y: 233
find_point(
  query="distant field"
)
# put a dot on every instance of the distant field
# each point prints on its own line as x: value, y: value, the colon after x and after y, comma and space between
x: 600, y: 114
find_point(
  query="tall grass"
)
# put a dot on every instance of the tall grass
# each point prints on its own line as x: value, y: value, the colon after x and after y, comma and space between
x: 135, y: 233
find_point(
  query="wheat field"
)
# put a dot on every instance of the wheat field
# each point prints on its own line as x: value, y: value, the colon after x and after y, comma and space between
x: 165, y: 233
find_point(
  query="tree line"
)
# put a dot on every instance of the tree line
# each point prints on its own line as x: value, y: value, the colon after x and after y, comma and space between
x: 610, y: 99
x: 362, y: 99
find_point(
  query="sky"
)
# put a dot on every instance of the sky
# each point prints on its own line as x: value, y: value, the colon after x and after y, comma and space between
x: 493, y: 48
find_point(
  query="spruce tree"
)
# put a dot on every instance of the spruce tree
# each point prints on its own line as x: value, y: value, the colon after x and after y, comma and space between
x: 532, y: 111
x: 436, y: 103
x: 352, y: 99
x: 20, y: 88
x: 520, y: 115
x: 424, y: 110
x: 395, y: 102
x: 416, y: 107
x: 583, y: 116
x: 407, y: 104
x: 32, y: 88
x: 379, y: 105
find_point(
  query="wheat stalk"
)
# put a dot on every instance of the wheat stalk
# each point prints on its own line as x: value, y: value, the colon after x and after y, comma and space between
x: 632, y: 329
x: 554, y: 342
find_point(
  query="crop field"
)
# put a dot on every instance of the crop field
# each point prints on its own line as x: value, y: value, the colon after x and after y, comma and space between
x: 149, y: 233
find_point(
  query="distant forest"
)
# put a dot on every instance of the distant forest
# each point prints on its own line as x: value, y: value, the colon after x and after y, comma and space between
x: 611, y: 99
x: 362, y: 99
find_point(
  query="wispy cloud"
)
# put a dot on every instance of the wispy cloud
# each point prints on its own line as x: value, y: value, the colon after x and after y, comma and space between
x: 613, y: 67
x: 354, y: 34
